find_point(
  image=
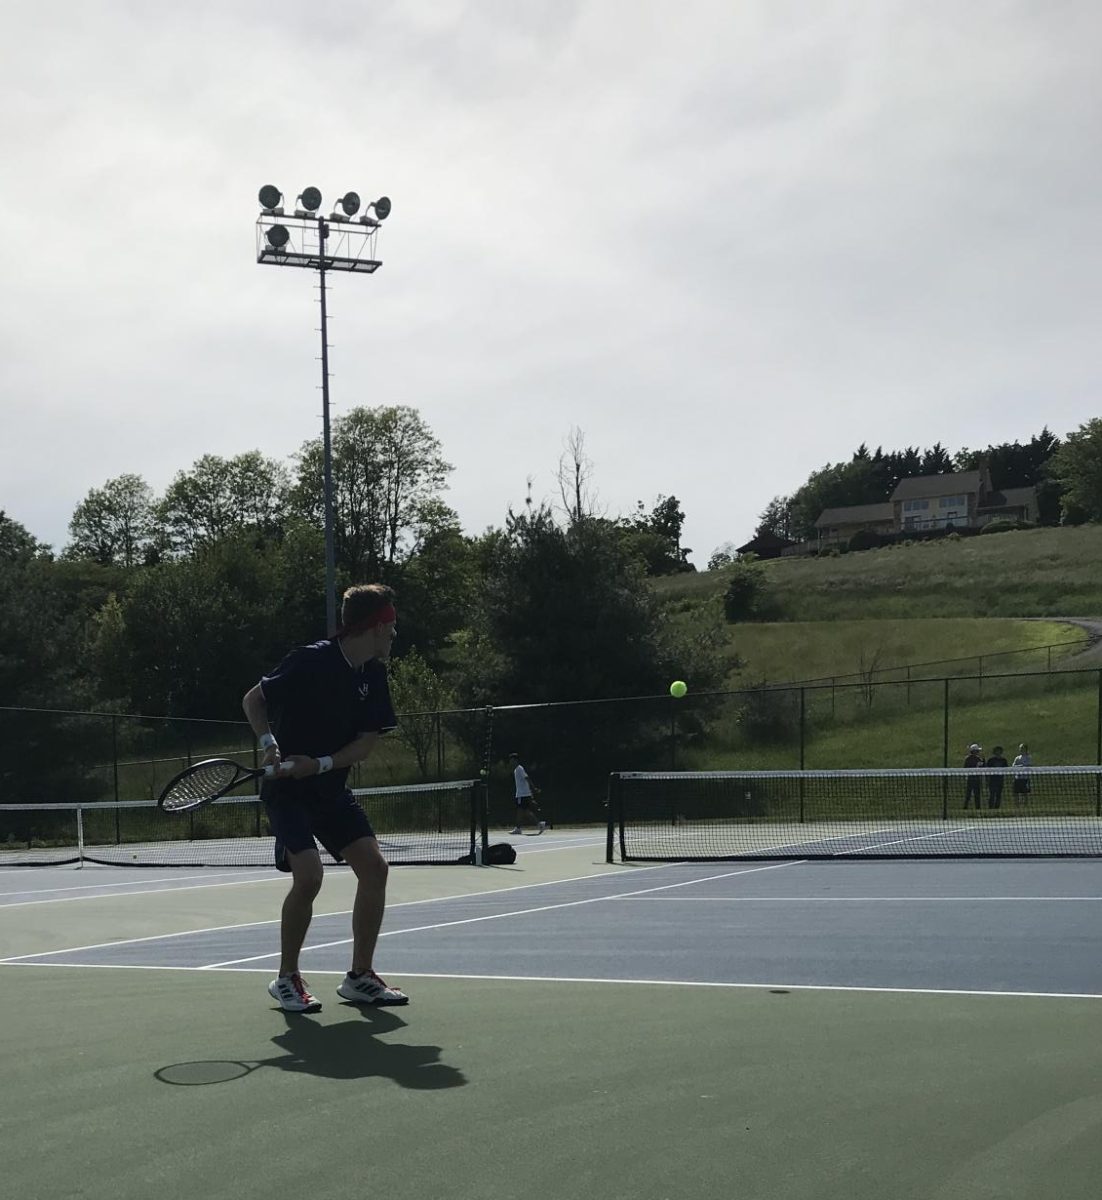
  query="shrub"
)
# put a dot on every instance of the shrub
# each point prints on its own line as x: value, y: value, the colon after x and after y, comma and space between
x: 747, y: 597
x: 1002, y: 525
x: 865, y: 539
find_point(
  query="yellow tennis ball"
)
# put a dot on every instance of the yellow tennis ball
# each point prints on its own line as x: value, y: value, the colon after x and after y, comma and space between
x: 678, y: 689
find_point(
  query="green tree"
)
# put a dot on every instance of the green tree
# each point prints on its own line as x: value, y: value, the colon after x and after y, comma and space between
x: 437, y: 583
x: 114, y: 523
x: 387, y: 471
x: 419, y: 695
x: 220, y: 496
x: 566, y: 614
x: 776, y: 518
x: 42, y: 667
x: 1077, y: 467
x: 654, y: 538
x: 201, y: 630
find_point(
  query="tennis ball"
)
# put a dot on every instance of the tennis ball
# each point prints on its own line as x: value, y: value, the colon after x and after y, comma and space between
x: 678, y: 689
x: 484, y: 773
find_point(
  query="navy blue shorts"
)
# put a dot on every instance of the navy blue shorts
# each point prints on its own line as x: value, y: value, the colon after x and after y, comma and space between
x: 335, y: 821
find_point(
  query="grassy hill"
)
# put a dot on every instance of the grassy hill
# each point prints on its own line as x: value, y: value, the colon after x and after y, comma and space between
x: 869, y: 616
x: 1025, y: 573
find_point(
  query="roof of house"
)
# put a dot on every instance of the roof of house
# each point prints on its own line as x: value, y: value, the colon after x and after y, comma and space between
x: 1010, y: 498
x: 764, y: 541
x: 922, y: 487
x: 856, y: 514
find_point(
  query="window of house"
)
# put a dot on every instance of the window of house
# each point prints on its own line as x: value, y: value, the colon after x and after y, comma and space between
x: 915, y: 505
x: 953, y: 502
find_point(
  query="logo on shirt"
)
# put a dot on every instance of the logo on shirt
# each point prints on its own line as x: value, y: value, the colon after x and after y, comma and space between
x: 365, y: 690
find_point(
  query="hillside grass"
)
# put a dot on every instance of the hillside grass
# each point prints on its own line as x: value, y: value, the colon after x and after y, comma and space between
x: 885, y: 648
x: 904, y: 725
x: 1021, y: 573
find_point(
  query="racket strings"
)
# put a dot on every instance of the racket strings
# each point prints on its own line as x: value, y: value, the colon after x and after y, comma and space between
x: 201, y: 783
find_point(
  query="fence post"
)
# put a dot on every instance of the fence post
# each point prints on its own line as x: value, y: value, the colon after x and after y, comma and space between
x: 439, y: 746
x: 803, y: 727
x: 908, y: 685
x: 945, y: 751
x: 115, y: 752
x: 673, y: 734
x: 981, y: 675
x: 1098, y: 778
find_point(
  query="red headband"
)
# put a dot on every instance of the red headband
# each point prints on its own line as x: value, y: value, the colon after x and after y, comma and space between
x: 381, y: 616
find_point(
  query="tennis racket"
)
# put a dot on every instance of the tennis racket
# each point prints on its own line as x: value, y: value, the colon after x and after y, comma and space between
x: 209, y: 780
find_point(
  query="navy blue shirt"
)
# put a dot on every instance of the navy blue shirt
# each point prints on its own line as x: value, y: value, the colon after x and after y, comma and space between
x: 318, y: 702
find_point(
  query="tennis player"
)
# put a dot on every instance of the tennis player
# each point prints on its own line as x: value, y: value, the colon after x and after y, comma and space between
x: 525, y: 797
x: 323, y: 709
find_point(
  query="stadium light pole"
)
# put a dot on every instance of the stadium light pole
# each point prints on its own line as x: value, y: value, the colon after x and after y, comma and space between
x: 301, y: 240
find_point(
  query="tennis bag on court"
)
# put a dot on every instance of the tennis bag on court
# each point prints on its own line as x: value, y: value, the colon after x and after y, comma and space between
x: 501, y: 854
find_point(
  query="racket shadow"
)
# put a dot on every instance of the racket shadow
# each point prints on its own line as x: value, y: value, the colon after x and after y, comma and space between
x: 345, y: 1050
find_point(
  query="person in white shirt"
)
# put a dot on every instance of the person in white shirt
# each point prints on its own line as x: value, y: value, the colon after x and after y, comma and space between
x: 525, y: 798
x: 1022, y: 782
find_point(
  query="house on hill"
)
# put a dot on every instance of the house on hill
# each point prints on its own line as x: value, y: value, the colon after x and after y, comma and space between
x: 955, y: 500
x: 765, y: 545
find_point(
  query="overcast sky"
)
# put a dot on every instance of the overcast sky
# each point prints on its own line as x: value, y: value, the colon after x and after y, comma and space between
x: 728, y: 241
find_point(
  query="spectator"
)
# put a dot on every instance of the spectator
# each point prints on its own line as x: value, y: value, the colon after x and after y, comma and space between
x: 1022, y: 783
x: 974, y: 787
x: 995, y: 782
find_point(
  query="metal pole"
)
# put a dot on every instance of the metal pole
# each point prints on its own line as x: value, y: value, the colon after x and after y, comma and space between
x: 330, y: 555
x: 1098, y: 778
x: 945, y: 755
x: 115, y: 752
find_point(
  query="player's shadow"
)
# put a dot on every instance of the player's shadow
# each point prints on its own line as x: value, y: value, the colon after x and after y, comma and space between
x: 345, y: 1050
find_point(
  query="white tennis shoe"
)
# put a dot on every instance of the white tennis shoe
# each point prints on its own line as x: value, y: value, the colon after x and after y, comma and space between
x: 369, y: 988
x: 293, y: 995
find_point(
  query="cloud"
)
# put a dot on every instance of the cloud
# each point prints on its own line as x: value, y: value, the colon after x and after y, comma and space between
x: 728, y: 242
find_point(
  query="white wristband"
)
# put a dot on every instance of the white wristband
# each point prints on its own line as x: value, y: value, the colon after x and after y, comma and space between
x: 325, y: 763
x: 265, y: 740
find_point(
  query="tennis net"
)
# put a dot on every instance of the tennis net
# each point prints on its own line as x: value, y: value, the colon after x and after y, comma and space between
x: 677, y: 816
x: 419, y: 824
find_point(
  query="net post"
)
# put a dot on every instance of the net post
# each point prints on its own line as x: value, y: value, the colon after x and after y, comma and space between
x: 484, y: 820
x: 80, y: 836
x: 611, y: 834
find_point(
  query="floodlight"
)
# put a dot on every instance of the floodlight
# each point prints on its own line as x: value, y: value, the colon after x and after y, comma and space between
x: 382, y: 207
x: 350, y: 202
x: 270, y: 196
x: 311, y: 199
x: 277, y: 237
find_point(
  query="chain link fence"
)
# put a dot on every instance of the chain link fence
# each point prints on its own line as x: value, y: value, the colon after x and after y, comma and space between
x: 570, y: 748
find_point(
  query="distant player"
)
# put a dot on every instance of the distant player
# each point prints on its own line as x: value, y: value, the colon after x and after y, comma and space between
x: 973, y: 788
x: 995, y: 782
x: 1024, y: 760
x: 525, y: 797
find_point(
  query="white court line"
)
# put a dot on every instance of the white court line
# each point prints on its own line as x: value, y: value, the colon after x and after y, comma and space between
x: 84, y: 887
x: 817, y: 900
x: 126, y: 895
x: 521, y: 912
x: 269, y: 877
x: 339, y: 913
x: 574, y: 980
